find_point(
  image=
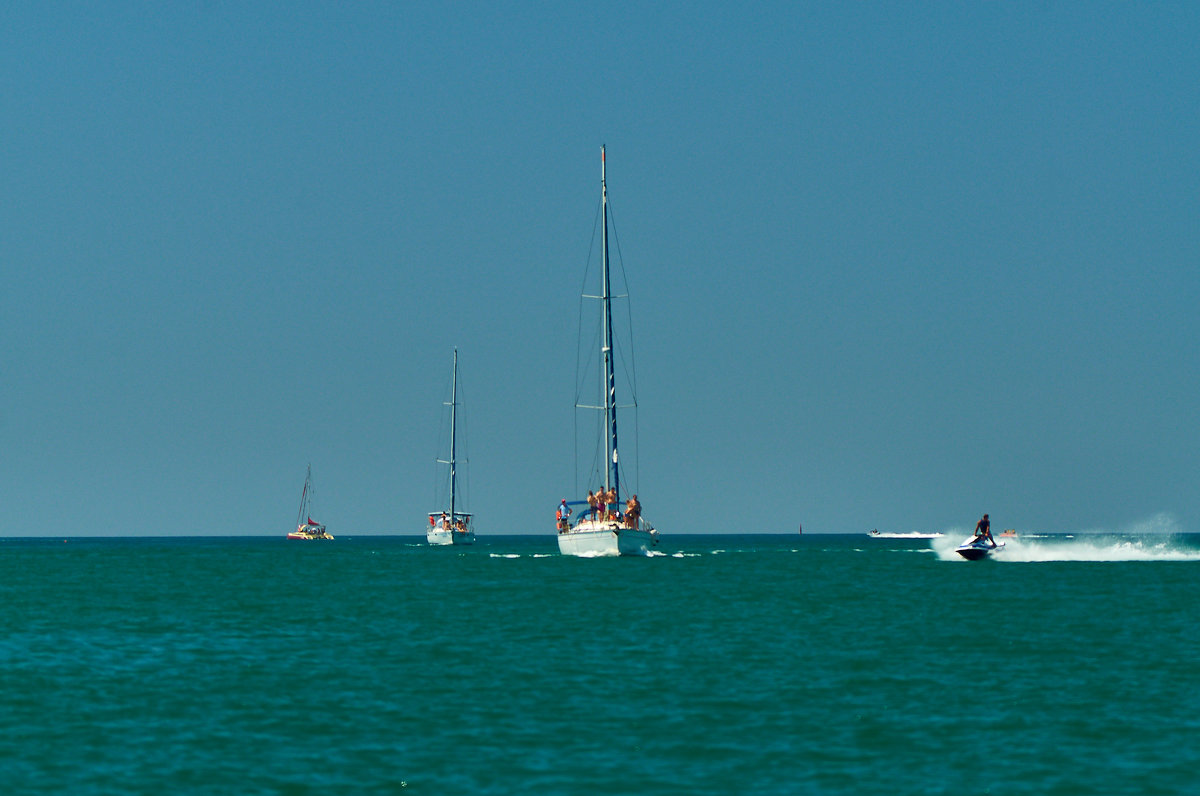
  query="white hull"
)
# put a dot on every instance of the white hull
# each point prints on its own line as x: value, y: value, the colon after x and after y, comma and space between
x: 443, y: 536
x: 606, y: 538
x: 308, y: 536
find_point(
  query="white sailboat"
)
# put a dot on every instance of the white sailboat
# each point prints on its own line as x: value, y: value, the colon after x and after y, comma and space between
x: 608, y: 530
x: 306, y: 528
x: 453, y: 526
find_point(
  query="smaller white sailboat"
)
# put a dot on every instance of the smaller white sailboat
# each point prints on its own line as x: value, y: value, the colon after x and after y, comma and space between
x: 452, y: 526
x: 306, y: 528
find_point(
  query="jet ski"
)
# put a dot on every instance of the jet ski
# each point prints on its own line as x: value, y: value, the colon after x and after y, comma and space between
x: 976, y: 547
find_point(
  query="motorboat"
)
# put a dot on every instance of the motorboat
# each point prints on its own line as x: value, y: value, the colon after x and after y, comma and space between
x: 875, y: 533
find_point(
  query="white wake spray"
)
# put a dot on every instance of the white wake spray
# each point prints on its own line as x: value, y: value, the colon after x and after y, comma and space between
x: 944, y: 545
x: 1075, y: 548
x: 1153, y: 539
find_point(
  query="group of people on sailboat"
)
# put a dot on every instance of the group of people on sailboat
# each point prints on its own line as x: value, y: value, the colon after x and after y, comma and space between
x: 459, y: 523
x: 633, y: 512
x: 602, y: 505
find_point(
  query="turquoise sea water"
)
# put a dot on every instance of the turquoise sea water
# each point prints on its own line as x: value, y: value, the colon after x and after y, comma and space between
x: 730, y: 665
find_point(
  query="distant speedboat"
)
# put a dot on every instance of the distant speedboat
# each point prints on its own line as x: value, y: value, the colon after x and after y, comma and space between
x: 306, y: 528
x: 453, y: 526
x: 877, y: 534
x: 1010, y: 534
x: 975, y: 548
x: 607, y: 530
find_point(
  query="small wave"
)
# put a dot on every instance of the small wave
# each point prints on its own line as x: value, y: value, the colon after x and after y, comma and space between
x: 504, y: 555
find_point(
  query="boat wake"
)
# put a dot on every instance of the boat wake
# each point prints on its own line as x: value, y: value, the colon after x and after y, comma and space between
x: 1046, y: 548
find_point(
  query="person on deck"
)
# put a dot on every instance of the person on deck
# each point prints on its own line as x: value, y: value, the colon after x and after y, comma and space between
x: 633, y: 512
x: 593, y: 502
x: 983, y: 530
x: 564, y: 511
x: 610, y: 501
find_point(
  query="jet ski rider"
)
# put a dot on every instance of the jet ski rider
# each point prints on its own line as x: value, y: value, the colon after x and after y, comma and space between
x: 983, y: 530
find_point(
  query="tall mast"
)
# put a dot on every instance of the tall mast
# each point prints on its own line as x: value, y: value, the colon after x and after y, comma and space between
x: 611, y: 479
x: 300, y: 518
x: 453, y: 427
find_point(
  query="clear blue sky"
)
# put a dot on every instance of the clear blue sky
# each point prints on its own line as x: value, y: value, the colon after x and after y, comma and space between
x: 893, y: 265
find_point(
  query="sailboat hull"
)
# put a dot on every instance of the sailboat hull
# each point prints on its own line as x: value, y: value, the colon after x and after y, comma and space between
x: 310, y: 534
x: 441, y: 536
x: 606, y: 538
